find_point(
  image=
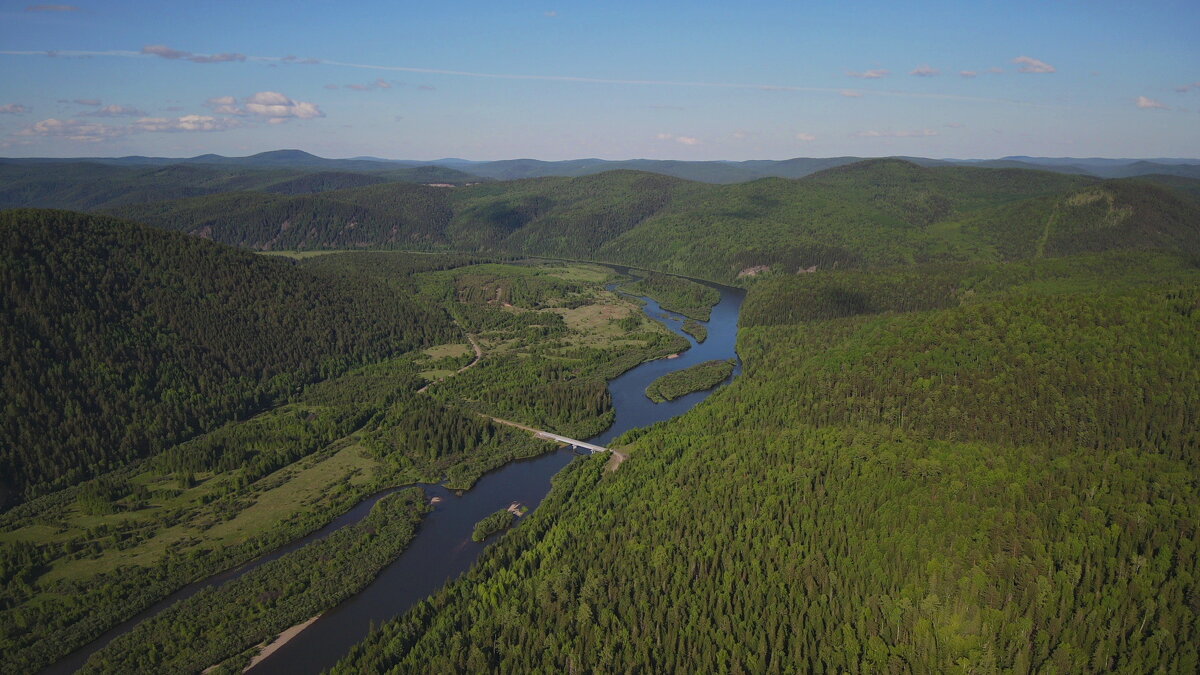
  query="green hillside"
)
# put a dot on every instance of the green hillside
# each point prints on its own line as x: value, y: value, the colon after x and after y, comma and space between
x: 1004, y: 484
x: 87, y: 186
x: 389, y: 215
x: 120, y: 340
x: 867, y: 214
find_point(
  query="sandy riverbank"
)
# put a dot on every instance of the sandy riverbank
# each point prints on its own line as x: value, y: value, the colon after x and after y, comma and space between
x: 284, y: 637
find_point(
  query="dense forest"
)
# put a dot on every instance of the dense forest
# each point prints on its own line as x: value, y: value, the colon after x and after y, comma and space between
x: 224, y: 622
x: 676, y: 294
x: 82, y: 558
x: 862, y: 215
x: 964, y: 440
x: 1005, y: 482
x: 89, y: 185
x: 682, y: 382
x: 121, y: 340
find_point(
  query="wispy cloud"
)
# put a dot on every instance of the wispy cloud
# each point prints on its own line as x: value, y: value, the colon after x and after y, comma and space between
x: 75, y: 130
x: 873, y: 74
x: 916, y: 133
x: 51, y: 8
x: 1150, y: 104
x: 186, y: 123
x: 166, y: 52
x: 296, y: 59
x: 379, y: 83
x: 1029, y: 64
x: 850, y: 93
x: 95, y: 132
x: 682, y: 140
x: 115, y: 111
x: 870, y: 74
x: 13, y: 109
x: 806, y: 137
x: 967, y: 73
x: 924, y: 70
x: 550, y: 14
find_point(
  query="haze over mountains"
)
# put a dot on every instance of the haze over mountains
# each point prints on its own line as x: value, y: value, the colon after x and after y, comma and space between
x: 703, y: 171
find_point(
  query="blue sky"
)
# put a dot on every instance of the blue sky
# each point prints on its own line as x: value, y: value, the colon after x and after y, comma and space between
x: 556, y: 80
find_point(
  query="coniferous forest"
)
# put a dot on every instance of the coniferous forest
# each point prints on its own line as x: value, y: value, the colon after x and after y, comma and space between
x: 964, y: 438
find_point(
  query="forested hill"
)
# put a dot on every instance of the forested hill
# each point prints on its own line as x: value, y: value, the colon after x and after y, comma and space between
x: 869, y: 214
x: 120, y: 339
x: 995, y: 472
x: 90, y: 185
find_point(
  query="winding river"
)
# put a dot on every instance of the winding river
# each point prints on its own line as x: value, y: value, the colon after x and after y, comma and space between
x: 442, y: 548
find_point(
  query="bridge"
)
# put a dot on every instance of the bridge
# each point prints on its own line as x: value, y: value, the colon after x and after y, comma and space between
x: 547, y: 436
x: 570, y: 441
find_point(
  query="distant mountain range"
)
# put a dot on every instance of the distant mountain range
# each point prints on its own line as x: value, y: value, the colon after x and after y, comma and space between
x: 454, y: 170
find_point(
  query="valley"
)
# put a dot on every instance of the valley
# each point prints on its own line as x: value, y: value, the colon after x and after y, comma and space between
x: 959, y: 396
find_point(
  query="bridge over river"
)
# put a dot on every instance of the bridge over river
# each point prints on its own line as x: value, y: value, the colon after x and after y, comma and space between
x: 548, y: 436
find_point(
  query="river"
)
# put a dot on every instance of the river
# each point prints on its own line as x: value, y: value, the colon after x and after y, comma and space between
x: 442, y: 548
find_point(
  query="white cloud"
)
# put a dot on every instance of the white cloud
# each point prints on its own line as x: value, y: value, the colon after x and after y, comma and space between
x: 75, y: 130
x: 924, y: 70
x: 51, y: 8
x: 967, y: 73
x: 995, y: 70
x: 870, y: 74
x: 805, y: 137
x: 682, y: 140
x: 1031, y: 65
x: 333, y: 86
x: 224, y: 105
x: 850, y: 93
x: 115, y: 111
x: 94, y: 132
x: 186, y: 123
x: 13, y: 109
x: 916, y: 133
x: 276, y: 106
x: 740, y: 135
x: 1149, y: 103
x: 175, y: 54
x: 550, y: 14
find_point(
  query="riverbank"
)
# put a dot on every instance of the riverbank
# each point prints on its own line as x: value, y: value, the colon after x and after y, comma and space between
x: 278, y: 643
